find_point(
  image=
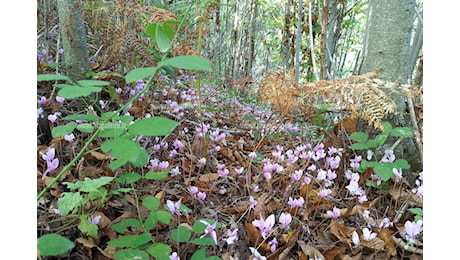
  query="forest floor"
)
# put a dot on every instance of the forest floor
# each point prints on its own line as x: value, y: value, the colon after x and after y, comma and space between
x: 277, y: 189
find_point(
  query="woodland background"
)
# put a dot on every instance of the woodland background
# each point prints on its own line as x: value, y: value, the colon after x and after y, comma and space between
x: 434, y: 226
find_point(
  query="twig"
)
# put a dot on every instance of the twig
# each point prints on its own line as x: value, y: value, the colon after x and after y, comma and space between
x: 418, y: 140
x: 392, y: 147
x: 97, y: 53
x: 402, y: 245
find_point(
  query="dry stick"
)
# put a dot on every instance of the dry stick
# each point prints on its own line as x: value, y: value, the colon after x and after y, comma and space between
x: 402, y: 244
x: 418, y: 140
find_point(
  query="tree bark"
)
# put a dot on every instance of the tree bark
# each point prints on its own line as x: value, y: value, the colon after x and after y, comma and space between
x: 387, y: 45
x: 75, y: 57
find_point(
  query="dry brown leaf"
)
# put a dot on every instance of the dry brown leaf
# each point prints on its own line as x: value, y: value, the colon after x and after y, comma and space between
x: 283, y: 255
x: 55, y: 190
x: 405, y: 196
x: 334, y: 252
x: 227, y: 256
x: 374, y: 244
x: 253, y: 234
x: 260, y: 208
x: 302, y: 256
x: 86, y: 243
x: 100, y: 156
x: 342, y: 232
x: 348, y: 124
x: 208, y: 177
x: 355, y: 257
x: 310, y: 251
x: 390, y: 246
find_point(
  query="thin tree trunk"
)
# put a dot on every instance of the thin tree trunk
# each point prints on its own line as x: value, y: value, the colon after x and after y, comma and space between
x: 297, y: 43
x: 323, y: 46
x: 76, y: 59
x: 312, y: 46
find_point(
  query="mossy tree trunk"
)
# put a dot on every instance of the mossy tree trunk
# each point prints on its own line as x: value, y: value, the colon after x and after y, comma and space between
x: 387, y: 46
x: 76, y: 59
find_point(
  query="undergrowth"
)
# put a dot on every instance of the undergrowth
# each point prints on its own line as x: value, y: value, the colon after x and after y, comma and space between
x: 167, y: 165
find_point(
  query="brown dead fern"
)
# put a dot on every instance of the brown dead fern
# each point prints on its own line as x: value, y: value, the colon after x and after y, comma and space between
x: 364, y: 96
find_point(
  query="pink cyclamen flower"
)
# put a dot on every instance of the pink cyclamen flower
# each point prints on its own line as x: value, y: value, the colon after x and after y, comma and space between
x: 102, y: 103
x: 202, y: 161
x: 389, y: 156
x: 69, y: 138
x: 52, y: 118
x: 370, y: 153
x: 232, y: 236
x: 172, y: 153
x: 163, y: 165
x: 193, y: 190
x: 60, y: 100
x: 355, y: 162
x: 253, y: 202
x: 201, y: 195
x: 223, y: 172
x: 210, y: 230
x: 398, y: 174
x: 273, y: 244
x: 178, y: 144
x: 42, y: 101
x: 264, y: 225
x: 297, y: 175
x: 174, y: 207
x: 355, y: 239
x: 239, y: 170
x: 285, y: 219
x: 325, y: 193
x: 174, y: 171
x: 296, y: 202
x: 412, y: 229
x: 252, y: 155
x: 51, y: 167
x: 94, y: 220
x: 385, y: 223
x: 335, y: 213
x: 174, y: 256
x: 49, y: 155
x: 368, y: 235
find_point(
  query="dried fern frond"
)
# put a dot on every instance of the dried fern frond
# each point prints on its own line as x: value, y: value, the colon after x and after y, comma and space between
x: 365, y: 94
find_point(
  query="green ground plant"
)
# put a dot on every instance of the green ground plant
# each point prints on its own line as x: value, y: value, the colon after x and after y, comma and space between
x: 119, y: 132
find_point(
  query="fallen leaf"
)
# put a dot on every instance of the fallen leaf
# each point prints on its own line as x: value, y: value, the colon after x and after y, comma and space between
x: 405, y: 196
x: 100, y: 156
x: 348, y: 124
x: 374, y: 244
x: 342, y: 232
x: 310, y: 251
x: 208, y: 177
x: 86, y: 243
x: 253, y: 234
x: 390, y: 246
x: 334, y: 252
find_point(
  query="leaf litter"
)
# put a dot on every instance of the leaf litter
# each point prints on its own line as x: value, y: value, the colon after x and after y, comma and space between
x: 244, y: 127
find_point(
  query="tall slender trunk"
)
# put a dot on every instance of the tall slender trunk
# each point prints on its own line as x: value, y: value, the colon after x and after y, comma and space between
x: 76, y: 59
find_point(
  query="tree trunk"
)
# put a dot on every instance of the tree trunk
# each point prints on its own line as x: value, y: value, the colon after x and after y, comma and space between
x: 387, y: 45
x: 76, y: 60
